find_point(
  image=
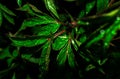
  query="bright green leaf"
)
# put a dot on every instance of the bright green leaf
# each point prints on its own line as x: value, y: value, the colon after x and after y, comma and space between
x: 89, y: 6
x: 37, y: 21
x: 19, y: 2
x: 28, y: 42
x: 1, y: 18
x: 9, y: 18
x: 102, y: 4
x: 59, y: 42
x: 5, y: 9
x: 15, y: 53
x: 48, y: 29
x: 62, y: 56
x: 51, y: 7
x: 74, y: 45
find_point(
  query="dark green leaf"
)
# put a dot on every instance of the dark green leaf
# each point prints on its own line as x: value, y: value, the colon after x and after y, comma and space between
x: 51, y: 7
x: 15, y: 53
x: 9, y: 18
x: 27, y: 42
x: 59, y: 42
x: 14, y: 76
x: 5, y: 9
x: 71, y: 58
x: 75, y: 45
x: 19, y: 2
x: 89, y: 6
x: 81, y: 14
x: 44, y: 59
x: 89, y: 67
x: 1, y: 18
x: 102, y: 4
x: 5, y: 53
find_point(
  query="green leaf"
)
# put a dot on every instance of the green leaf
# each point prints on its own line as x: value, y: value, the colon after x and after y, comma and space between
x: 102, y: 4
x: 62, y: 56
x: 9, y: 18
x: 6, y: 10
x: 111, y: 32
x: 51, y: 7
x: 44, y: 59
x: 5, y: 53
x: 14, y: 76
x: 19, y: 2
x: 74, y: 44
x: 97, y: 38
x: 71, y: 58
x: 59, y: 42
x: 48, y: 29
x: 81, y: 14
x: 27, y: 42
x: 36, y: 21
x: 89, y: 6
x: 1, y: 18
x: 89, y: 67
x: 15, y: 53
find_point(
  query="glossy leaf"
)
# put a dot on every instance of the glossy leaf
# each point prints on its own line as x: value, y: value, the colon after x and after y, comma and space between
x: 102, y: 4
x: 37, y: 21
x: 111, y: 32
x: 51, y: 7
x: 6, y: 10
x: 15, y: 53
x: 62, y: 56
x: 27, y: 42
x: 89, y: 6
x: 19, y: 2
x: 48, y: 29
x: 44, y: 58
x: 9, y: 18
x: 75, y: 45
x: 1, y: 18
x: 59, y: 42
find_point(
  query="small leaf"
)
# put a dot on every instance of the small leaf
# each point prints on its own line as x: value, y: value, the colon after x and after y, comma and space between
x: 74, y: 45
x: 5, y: 9
x: 36, y: 21
x: 1, y: 18
x: 62, y: 56
x: 89, y: 67
x: 9, y: 18
x: 35, y: 8
x: 51, y: 7
x: 19, y: 2
x: 102, y: 4
x: 48, y: 29
x: 27, y: 42
x: 59, y: 42
x: 89, y: 6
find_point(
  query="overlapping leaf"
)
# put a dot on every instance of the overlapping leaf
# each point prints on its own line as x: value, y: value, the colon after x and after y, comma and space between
x: 59, y: 42
x: 37, y: 21
x: 89, y: 6
x: 27, y: 42
x: 6, y: 10
x: 51, y: 7
x: 102, y: 4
